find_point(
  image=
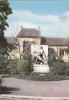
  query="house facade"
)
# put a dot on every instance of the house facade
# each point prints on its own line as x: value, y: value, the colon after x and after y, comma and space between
x: 58, y: 44
x: 29, y: 36
x: 26, y: 38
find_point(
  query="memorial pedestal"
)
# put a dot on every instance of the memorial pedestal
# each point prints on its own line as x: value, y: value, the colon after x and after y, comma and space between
x: 41, y: 68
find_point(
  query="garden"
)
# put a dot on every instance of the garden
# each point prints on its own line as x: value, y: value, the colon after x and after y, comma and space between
x: 22, y: 68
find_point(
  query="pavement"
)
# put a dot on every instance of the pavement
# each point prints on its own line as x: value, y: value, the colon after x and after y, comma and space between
x: 18, y: 97
x: 14, y: 86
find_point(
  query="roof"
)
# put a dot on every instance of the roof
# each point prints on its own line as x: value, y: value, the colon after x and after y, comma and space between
x: 28, y: 32
x: 44, y: 41
x: 54, y: 41
x: 12, y: 40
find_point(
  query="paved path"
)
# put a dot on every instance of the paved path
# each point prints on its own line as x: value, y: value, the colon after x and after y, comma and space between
x: 35, y: 88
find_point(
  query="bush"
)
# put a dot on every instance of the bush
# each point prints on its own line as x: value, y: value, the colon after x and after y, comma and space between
x: 67, y: 50
x: 27, y: 56
x: 3, y: 65
x: 25, y: 64
x: 47, y: 77
x: 59, y: 67
x: 67, y: 68
x: 12, y: 66
x: 41, y: 77
x: 51, y: 56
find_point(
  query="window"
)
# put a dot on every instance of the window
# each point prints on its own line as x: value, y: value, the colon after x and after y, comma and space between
x: 27, y: 45
x: 61, y: 53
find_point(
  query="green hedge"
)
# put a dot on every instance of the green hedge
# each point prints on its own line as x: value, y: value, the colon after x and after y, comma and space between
x: 59, y: 70
x: 41, y: 77
x: 51, y: 56
x: 59, y: 67
x: 12, y: 66
x: 38, y: 77
x: 24, y: 66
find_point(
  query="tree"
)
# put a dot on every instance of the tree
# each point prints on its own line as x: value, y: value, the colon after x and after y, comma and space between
x: 5, y: 10
x: 51, y: 56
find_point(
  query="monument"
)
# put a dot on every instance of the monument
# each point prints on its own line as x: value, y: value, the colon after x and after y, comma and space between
x: 40, y: 58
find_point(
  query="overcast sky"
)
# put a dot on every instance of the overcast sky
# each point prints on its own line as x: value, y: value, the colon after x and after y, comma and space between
x: 51, y: 15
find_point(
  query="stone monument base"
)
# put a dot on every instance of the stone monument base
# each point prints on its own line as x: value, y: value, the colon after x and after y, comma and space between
x: 41, y: 68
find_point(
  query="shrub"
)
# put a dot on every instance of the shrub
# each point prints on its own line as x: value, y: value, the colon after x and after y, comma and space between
x: 67, y: 68
x: 67, y: 50
x: 59, y: 67
x: 12, y: 66
x: 51, y: 56
x: 3, y: 65
x: 24, y: 67
x: 25, y: 64
x: 42, y: 77
x: 6, y: 75
x: 47, y: 77
x: 27, y: 56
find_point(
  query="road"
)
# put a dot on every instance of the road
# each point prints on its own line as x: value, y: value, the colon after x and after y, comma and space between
x: 16, y: 86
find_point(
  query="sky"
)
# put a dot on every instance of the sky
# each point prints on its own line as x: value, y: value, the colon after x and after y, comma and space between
x: 50, y: 16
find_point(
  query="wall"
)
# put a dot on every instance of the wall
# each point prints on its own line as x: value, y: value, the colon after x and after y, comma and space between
x: 16, y: 53
x: 57, y: 50
x: 21, y: 40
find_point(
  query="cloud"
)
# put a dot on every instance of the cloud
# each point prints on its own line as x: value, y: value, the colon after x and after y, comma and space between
x: 50, y: 25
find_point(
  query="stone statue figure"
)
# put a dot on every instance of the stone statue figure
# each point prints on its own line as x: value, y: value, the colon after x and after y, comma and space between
x: 40, y: 56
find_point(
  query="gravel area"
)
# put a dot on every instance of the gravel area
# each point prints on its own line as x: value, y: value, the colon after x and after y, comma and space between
x: 16, y: 86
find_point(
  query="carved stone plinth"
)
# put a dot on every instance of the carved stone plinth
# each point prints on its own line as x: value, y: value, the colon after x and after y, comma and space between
x: 41, y: 68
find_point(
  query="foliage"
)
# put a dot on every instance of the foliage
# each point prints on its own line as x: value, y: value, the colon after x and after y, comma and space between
x: 67, y: 68
x: 51, y: 56
x: 27, y: 56
x: 24, y: 65
x: 5, y: 10
x: 12, y: 66
x: 38, y: 77
x: 67, y: 50
x: 68, y: 42
x: 59, y: 67
x: 3, y: 65
x: 47, y: 77
x: 6, y: 75
x: 41, y: 77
